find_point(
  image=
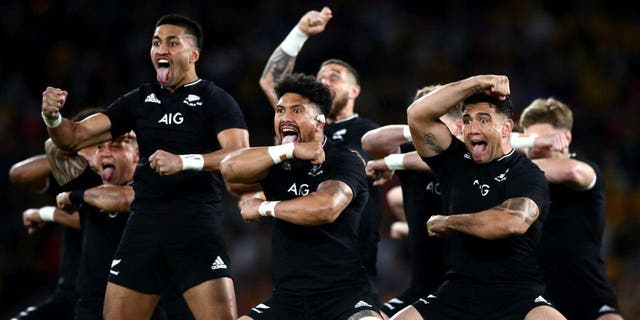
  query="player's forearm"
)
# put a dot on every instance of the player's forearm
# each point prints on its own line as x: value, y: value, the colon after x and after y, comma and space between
x: 71, y: 220
x: 31, y: 174
x: 279, y: 65
x: 571, y: 172
x: 511, y: 218
x: 247, y: 165
x: 413, y: 161
x: 110, y: 198
x: 65, y: 136
x: 384, y: 140
x: 314, y: 209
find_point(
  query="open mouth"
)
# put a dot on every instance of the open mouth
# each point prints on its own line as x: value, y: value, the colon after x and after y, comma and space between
x: 289, y: 135
x: 163, y: 71
x: 478, y: 148
x: 108, y: 169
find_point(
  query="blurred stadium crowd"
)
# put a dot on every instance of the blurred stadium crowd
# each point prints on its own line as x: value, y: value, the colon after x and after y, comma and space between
x: 586, y: 53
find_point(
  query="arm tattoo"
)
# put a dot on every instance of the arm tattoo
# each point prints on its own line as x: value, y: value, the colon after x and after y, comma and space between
x: 279, y: 65
x: 522, y: 208
x: 430, y: 143
x: 364, y: 313
x: 64, y: 166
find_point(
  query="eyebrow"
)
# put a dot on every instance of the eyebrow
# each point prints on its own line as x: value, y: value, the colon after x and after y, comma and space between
x: 477, y: 114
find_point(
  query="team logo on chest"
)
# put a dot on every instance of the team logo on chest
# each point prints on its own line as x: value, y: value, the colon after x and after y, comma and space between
x: 152, y: 98
x: 192, y: 100
x: 339, y: 135
x: 502, y: 176
x: 172, y: 118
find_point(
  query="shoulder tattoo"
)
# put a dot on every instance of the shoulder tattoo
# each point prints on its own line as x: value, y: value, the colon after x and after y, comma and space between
x: 430, y: 143
x: 523, y: 208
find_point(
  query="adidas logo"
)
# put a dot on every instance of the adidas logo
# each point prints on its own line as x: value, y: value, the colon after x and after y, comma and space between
x: 362, y: 304
x: 541, y: 299
x: 152, y: 98
x: 606, y: 308
x: 218, y: 264
x: 260, y: 306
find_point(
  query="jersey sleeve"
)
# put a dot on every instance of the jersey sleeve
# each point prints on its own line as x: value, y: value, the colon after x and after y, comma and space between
x: 227, y: 114
x: 529, y: 181
x: 348, y: 167
x: 120, y: 114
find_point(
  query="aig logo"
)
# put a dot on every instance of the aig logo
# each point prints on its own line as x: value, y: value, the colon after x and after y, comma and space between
x: 484, y: 189
x: 172, y: 118
x: 301, y: 190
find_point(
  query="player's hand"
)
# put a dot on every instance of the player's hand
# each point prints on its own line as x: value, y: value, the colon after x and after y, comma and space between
x: 314, y: 22
x: 249, y: 209
x: 165, y: 163
x: 63, y: 202
x: 52, y: 101
x: 377, y: 169
x: 556, y: 141
x: 32, y: 221
x: 249, y: 195
x: 493, y: 85
x: 399, y: 230
x: 437, y: 226
x: 312, y: 151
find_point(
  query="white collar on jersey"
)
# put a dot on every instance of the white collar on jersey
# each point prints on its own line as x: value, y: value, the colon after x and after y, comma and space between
x: 353, y: 116
x: 513, y: 150
x: 189, y: 84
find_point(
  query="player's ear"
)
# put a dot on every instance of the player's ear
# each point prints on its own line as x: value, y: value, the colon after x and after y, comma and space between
x: 567, y: 134
x: 194, y: 55
x: 507, y: 127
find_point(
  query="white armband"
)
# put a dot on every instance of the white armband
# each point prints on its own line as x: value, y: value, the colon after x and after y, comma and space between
x: 406, y: 132
x: 47, y: 213
x: 292, y: 44
x: 192, y: 162
x: 268, y: 208
x: 51, y: 123
x: 281, y: 153
x: 519, y: 142
x: 395, y: 161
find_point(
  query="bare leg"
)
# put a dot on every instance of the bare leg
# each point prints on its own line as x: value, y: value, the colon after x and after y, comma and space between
x: 544, y: 313
x: 123, y: 303
x: 408, y: 313
x: 213, y: 299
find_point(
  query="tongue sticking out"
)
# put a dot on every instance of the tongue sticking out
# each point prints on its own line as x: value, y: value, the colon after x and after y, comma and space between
x: 162, y: 75
x: 478, y: 150
x: 107, y: 174
x: 289, y: 139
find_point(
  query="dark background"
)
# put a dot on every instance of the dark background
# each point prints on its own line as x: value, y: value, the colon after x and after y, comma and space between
x: 584, y: 53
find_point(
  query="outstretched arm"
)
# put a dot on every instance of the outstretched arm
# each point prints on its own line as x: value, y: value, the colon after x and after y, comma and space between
x: 34, y: 219
x: 108, y: 198
x: 69, y: 135
x: 385, y: 140
x: 570, y: 172
x: 317, y: 208
x: 510, y: 218
x: 382, y: 169
x: 430, y: 136
x: 283, y: 58
x: 31, y: 174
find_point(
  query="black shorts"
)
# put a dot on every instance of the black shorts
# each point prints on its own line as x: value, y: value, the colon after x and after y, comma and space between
x: 403, y: 300
x: 466, y: 301
x: 159, y: 246
x: 318, y: 306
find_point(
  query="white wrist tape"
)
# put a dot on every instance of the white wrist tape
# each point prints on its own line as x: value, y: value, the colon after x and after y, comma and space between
x: 268, y: 208
x: 395, y: 161
x: 281, y: 153
x: 51, y: 123
x: 47, y: 213
x: 192, y: 162
x: 294, y: 41
x: 406, y: 132
x: 518, y: 141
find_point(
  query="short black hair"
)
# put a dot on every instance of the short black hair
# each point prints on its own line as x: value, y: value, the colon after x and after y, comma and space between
x: 190, y: 26
x: 343, y: 63
x: 501, y: 106
x: 306, y: 86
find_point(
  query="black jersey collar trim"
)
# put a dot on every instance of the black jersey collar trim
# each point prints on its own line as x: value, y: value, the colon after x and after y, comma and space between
x: 513, y: 150
x: 353, y: 116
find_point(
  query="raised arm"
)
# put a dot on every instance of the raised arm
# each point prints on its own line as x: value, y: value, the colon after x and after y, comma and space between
x: 317, y: 208
x: 67, y: 134
x: 31, y: 174
x: 108, y: 198
x: 251, y: 165
x: 385, y: 140
x: 283, y: 58
x: 430, y: 136
x: 510, y: 218
x: 573, y: 173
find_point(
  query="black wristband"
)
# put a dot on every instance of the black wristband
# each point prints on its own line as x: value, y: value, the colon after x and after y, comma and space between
x: 76, y: 197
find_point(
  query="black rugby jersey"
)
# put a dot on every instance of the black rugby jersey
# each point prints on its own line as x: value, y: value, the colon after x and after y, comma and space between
x: 72, y: 238
x: 468, y: 187
x: 421, y: 198
x: 349, y: 132
x: 186, y: 121
x: 101, y: 235
x: 571, y: 241
x: 317, y: 258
